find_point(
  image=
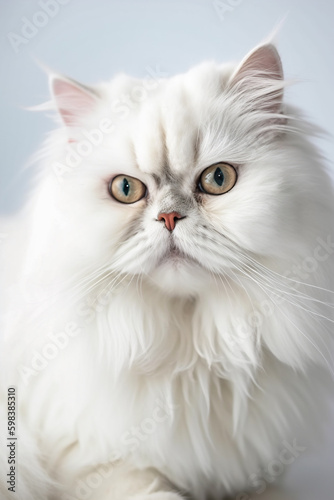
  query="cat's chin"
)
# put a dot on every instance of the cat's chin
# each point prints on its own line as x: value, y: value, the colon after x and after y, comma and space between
x: 180, y: 277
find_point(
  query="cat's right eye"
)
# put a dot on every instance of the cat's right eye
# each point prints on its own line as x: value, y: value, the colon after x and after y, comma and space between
x: 126, y: 189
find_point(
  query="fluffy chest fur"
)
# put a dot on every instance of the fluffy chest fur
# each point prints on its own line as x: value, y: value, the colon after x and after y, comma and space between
x: 180, y: 385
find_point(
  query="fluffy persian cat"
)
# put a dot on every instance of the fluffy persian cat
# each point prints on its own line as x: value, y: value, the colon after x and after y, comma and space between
x: 168, y: 304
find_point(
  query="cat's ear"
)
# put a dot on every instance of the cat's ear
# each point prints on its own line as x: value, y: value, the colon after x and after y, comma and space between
x: 261, y: 69
x: 263, y: 61
x: 73, y: 100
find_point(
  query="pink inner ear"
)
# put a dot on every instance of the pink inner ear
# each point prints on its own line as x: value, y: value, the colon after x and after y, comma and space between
x: 73, y: 101
x: 263, y: 61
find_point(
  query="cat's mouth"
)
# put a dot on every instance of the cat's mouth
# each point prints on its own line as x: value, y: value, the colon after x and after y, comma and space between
x: 174, y: 255
x: 177, y: 272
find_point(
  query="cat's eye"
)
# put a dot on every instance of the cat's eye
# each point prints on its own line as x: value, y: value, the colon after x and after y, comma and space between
x: 218, y: 179
x: 127, y: 189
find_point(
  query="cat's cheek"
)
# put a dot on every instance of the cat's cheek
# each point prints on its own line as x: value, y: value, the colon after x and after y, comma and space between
x: 123, y: 219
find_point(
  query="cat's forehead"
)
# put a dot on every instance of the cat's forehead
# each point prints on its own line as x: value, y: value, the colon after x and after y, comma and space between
x: 165, y: 127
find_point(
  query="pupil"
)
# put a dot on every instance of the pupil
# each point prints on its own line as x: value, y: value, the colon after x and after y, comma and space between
x: 126, y: 187
x: 219, y: 176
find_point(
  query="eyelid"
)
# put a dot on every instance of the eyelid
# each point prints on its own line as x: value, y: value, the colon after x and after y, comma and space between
x: 201, y: 169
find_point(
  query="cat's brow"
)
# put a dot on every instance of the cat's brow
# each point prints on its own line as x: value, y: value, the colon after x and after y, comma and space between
x: 168, y: 177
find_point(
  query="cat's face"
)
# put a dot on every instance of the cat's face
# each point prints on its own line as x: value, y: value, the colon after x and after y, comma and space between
x: 189, y: 184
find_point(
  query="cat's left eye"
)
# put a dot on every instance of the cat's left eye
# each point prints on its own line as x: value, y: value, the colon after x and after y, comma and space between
x: 218, y: 179
x: 126, y: 189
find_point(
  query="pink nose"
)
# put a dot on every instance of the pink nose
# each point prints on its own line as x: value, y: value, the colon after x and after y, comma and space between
x: 170, y: 219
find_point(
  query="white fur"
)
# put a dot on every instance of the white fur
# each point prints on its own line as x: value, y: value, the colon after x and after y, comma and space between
x: 222, y: 352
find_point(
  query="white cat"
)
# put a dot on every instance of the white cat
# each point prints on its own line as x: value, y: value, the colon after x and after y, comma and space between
x: 168, y: 319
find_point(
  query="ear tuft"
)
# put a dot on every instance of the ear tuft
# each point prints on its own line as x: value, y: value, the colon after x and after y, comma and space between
x: 72, y: 99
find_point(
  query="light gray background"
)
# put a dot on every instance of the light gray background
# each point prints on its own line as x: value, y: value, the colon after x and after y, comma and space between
x: 92, y: 40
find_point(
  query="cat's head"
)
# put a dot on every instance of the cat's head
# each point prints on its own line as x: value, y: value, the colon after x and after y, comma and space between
x: 181, y: 179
